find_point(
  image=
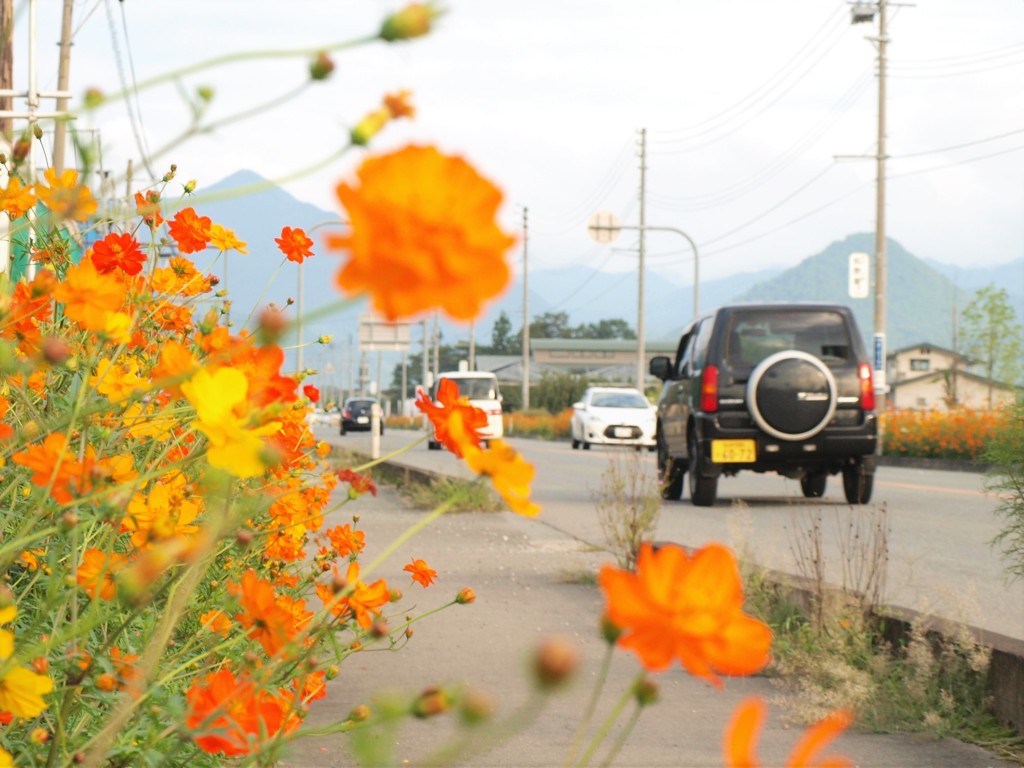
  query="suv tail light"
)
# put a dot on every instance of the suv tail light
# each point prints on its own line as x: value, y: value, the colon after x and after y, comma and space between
x: 867, y: 387
x: 709, y: 389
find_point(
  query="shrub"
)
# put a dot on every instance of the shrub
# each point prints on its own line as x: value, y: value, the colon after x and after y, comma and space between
x: 1005, y: 450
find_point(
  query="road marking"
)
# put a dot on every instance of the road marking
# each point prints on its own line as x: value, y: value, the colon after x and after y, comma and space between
x: 915, y: 487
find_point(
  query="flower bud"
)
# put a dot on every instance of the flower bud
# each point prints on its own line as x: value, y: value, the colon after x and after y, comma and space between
x: 243, y: 537
x: 554, y: 662
x: 395, y: 595
x: 21, y: 148
x: 476, y: 707
x: 106, y: 682
x: 69, y: 519
x: 205, y: 92
x: 55, y: 351
x: 327, y: 339
x: 41, y: 664
x: 466, y: 595
x: 380, y: 629
x: 359, y: 714
x: 609, y: 630
x: 37, y: 130
x: 433, y: 701
x: 646, y: 692
x: 339, y: 583
x: 412, y: 21
x: 321, y: 67
x: 190, y: 186
x: 93, y: 98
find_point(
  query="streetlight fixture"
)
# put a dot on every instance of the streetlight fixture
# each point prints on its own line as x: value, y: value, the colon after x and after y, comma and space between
x: 604, y: 227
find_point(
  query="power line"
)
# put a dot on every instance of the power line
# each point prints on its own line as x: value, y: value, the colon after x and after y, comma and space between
x: 838, y: 14
x: 788, y: 157
x: 957, y: 146
x: 134, y: 110
x: 959, y: 162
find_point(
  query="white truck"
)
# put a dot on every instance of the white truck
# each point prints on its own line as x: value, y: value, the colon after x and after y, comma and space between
x: 481, y: 388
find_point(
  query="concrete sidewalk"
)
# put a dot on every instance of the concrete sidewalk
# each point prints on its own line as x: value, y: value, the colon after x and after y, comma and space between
x: 530, y: 584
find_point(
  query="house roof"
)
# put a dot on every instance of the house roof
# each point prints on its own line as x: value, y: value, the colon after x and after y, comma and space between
x: 961, y: 373
x: 929, y: 345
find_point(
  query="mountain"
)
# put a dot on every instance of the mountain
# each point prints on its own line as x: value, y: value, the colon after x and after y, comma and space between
x: 920, y: 299
x: 921, y: 293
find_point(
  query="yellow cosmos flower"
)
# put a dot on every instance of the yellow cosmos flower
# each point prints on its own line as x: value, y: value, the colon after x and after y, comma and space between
x: 224, y: 239
x: 22, y: 691
x: 510, y: 473
x: 118, y: 381
x: 221, y: 401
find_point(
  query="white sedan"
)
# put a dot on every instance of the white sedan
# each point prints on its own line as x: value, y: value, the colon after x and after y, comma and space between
x: 613, y: 416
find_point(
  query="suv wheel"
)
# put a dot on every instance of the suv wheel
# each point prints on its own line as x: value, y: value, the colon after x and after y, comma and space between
x: 670, y: 474
x: 858, y: 483
x: 703, y: 490
x: 791, y: 395
x: 813, y: 484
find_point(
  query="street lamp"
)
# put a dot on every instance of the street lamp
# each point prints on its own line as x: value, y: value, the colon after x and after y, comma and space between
x: 604, y: 227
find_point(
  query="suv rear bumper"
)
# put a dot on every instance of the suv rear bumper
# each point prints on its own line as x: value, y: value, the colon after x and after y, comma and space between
x: 830, y: 450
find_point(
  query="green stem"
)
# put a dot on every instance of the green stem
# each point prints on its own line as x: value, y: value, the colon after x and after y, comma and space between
x: 609, y: 721
x: 408, y: 533
x: 623, y: 737
x: 588, y: 715
x: 235, y: 58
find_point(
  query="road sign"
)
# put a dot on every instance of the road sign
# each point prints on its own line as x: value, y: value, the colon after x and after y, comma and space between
x: 604, y: 227
x: 860, y: 275
x: 376, y: 335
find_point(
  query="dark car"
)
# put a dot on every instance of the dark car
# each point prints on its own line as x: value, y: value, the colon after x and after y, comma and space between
x: 357, y: 413
x: 781, y: 388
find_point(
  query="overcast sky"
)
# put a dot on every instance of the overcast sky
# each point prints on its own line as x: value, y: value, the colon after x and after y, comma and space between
x: 746, y: 104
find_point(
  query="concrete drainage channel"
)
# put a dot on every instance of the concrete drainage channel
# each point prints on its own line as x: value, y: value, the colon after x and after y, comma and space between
x: 1006, y: 670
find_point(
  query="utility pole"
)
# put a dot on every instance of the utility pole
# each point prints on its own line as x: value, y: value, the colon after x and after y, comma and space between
x: 6, y: 67
x: 60, y: 129
x: 526, y: 314
x: 880, y: 247
x: 641, y: 356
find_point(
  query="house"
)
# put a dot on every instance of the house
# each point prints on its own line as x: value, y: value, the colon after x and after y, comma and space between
x: 930, y: 377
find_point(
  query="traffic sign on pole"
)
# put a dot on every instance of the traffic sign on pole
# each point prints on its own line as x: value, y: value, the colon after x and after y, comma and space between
x: 604, y: 227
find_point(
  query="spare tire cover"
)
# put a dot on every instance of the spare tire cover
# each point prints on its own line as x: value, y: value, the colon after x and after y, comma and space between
x: 791, y: 395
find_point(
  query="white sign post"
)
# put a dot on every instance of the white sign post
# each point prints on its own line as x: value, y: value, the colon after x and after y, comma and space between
x: 376, y: 335
x: 860, y: 275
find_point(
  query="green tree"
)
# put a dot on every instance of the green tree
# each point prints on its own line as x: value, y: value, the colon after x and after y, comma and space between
x: 450, y: 356
x: 550, y: 325
x: 991, y: 334
x: 503, y: 342
x: 605, y: 329
x: 557, y: 391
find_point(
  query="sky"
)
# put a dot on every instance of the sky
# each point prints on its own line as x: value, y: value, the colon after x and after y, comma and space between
x: 760, y: 117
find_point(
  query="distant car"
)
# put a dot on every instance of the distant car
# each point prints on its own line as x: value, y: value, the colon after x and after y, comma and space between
x: 613, y: 416
x: 356, y: 415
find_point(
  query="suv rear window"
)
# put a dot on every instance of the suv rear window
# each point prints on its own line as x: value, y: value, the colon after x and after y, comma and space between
x: 755, y: 334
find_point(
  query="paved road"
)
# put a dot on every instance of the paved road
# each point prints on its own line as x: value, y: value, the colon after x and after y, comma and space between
x: 518, y: 569
x: 940, y: 560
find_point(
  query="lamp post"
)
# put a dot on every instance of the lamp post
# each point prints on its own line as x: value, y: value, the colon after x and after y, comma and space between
x: 604, y: 227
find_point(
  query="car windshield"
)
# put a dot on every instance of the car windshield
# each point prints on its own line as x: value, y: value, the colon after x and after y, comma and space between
x: 618, y: 400
x: 477, y: 388
x: 756, y: 334
x: 358, y: 405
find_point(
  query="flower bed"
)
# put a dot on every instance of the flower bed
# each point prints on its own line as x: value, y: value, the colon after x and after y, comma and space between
x: 958, y: 434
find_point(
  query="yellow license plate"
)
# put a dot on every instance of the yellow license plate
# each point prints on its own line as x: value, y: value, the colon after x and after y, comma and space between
x: 733, y: 451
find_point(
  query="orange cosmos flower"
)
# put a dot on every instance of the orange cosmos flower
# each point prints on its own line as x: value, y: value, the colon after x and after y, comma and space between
x: 89, y: 296
x: 294, y: 244
x: 217, y: 622
x: 267, y: 621
x: 690, y: 609
x: 421, y: 572
x: 96, y: 572
x: 423, y: 235
x: 15, y: 200
x: 740, y: 742
x: 362, y: 600
x: 456, y: 422
x: 357, y: 484
x: 30, y: 305
x: 224, y: 239
x: 54, y: 462
x: 65, y: 196
x: 345, y: 541
x: 148, y: 208
x: 230, y: 716
x: 190, y: 231
x: 510, y: 473
x: 311, y: 393
x: 118, y: 251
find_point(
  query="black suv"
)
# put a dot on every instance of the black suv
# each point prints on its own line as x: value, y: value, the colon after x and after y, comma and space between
x: 781, y: 388
x: 357, y: 415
